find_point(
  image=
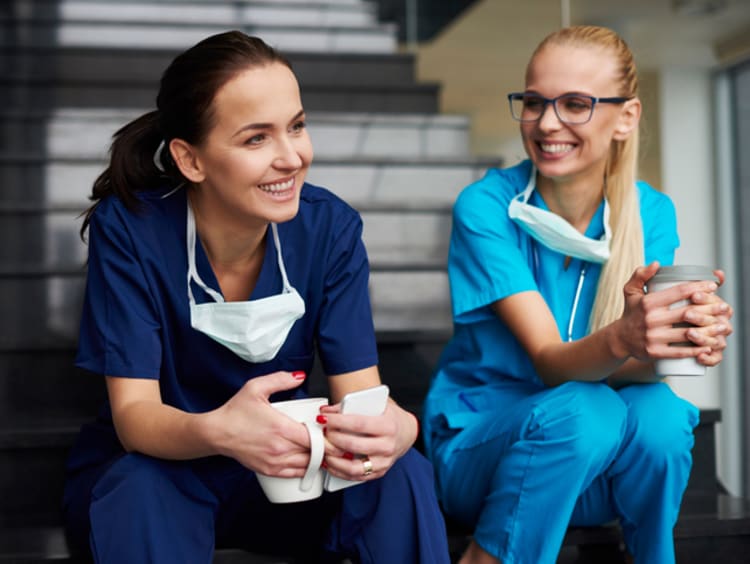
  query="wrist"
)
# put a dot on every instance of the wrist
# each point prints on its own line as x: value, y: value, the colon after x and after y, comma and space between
x: 214, y: 436
x: 615, y: 343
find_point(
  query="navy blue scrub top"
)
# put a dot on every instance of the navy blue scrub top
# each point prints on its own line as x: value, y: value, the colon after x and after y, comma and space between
x: 136, y: 318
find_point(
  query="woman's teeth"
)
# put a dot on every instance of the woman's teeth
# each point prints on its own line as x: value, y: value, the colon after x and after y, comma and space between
x: 555, y: 147
x: 277, y: 186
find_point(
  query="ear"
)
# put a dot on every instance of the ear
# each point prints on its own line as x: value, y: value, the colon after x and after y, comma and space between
x: 186, y: 159
x: 630, y: 116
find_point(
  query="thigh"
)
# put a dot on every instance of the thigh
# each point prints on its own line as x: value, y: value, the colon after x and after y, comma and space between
x: 569, y: 423
x: 247, y: 520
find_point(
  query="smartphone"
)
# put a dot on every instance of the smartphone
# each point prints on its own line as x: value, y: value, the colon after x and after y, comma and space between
x: 370, y: 401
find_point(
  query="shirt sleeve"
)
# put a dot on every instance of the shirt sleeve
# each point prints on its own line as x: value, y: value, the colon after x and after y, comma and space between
x: 346, y: 335
x: 485, y: 260
x: 660, y: 238
x: 120, y: 333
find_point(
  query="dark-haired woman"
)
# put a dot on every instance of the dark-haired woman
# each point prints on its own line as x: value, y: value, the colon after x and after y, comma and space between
x: 204, y: 202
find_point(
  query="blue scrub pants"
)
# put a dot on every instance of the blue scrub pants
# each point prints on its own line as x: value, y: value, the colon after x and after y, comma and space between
x: 142, y: 509
x: 577, y: 454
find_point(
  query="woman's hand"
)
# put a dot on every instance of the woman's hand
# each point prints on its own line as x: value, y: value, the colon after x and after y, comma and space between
x: 261, y: 438
x: 382, y: 438
x: 712, y: 326
x: 648, y: 326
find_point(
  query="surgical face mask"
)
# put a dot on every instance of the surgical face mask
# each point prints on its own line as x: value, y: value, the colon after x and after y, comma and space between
x: 254, y: 330
x: 554, y: 232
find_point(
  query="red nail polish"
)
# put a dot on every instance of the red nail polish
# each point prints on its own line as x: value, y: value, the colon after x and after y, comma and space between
x: 322, y: 419
x: 298, y: 375
x: 348, y: 456
x: 324, y: 464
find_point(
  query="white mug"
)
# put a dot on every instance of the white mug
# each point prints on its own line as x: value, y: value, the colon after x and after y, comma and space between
x: 309, y: 486
x: 666, y: 277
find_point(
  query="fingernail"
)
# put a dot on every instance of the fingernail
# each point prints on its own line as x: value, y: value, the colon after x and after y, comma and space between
x: 322, y: 419
x: 348, y: 456
x: 298, y: 375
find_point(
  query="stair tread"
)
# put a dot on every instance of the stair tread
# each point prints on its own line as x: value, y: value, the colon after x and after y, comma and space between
x: 730, y: 516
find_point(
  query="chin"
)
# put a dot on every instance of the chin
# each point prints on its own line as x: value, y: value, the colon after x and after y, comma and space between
x: 284, y: 213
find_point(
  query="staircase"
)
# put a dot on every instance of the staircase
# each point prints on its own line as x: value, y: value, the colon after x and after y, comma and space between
x: 73, y: 71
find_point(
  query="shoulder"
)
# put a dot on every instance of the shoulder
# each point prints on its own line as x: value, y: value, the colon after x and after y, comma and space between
x: 493, y: 191
x: 152, y: 219
x: 320, y: 206
x: 324, y: 216
x: 653, y: 203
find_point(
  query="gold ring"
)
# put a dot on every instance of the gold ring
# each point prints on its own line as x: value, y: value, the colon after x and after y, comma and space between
x: 367, y: 465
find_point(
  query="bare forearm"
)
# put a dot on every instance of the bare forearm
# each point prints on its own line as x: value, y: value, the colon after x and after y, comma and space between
x: 592, y: 358
x: 162, y: 431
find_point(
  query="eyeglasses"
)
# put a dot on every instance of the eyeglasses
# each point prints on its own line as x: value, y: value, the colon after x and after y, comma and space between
x: 573, y: 109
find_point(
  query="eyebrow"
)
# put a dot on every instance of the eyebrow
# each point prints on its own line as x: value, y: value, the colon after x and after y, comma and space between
x: 257, y: 126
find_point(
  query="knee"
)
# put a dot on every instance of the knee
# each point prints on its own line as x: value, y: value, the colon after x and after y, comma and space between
x: 412, y: 468
x: 660, y: 422
x: 410, y: 478
x: 588, y: 417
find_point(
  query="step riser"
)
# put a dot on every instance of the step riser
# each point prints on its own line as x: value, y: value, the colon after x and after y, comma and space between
x: 144, y: 67
x: 51, y: 240
x: 420, y: 100
x: 400, y: 301
x: 223, y: 14
x: 64, y: 183
x: 358, y: 137
x: 380, y: 39
x: 31, y: 482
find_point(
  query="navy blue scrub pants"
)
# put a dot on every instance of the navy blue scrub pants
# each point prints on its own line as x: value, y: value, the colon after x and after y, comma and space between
x: 142, y: 509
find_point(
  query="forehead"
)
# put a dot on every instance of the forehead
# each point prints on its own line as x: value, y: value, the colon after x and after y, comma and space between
x: 259, y: 94
x: 557, y: 69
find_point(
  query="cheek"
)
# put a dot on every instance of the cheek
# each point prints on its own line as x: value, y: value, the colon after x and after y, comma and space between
x: 305, y: 149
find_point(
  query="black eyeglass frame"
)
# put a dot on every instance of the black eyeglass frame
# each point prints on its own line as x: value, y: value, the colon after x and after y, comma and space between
x: 594, y: 101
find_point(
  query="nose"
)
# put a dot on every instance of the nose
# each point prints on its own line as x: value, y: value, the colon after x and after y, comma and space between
x: 549, y: 119
x: 287, y: 157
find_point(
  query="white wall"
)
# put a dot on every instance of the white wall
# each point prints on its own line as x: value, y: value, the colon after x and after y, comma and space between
x: 690, y: 175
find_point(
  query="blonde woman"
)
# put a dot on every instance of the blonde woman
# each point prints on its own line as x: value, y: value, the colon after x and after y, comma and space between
x: 545, y: 410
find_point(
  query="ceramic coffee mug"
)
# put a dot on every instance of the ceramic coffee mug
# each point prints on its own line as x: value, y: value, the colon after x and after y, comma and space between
x: 309, y: 486
x: 666, y: 277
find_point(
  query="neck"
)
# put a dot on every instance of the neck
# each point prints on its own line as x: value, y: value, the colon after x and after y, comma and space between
x: 574, y: 199
x: 230, y: 244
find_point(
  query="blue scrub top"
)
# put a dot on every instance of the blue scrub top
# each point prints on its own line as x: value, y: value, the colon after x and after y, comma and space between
x: 491, y: 258
x: 136, y: 317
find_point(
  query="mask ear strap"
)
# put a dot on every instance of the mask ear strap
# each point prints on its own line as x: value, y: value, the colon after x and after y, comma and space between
x: 605, y: 215
x: 192, y: 273
x: 279, y: 258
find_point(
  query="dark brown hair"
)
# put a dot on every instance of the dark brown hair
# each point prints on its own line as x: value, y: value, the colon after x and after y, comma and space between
x: 183, y: 110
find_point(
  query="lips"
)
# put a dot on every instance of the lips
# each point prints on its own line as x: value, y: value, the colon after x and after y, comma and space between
x: 277, y: 187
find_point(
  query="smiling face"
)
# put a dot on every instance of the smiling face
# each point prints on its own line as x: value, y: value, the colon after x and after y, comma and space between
x: 566, y: 152
x: 254, y: 160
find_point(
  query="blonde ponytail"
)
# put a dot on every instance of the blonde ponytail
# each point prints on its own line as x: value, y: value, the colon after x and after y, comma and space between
x: 621, y: 173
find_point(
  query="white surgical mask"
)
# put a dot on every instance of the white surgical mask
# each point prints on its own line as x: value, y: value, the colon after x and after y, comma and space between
x: 254, y: 330
x: 554, y: 232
